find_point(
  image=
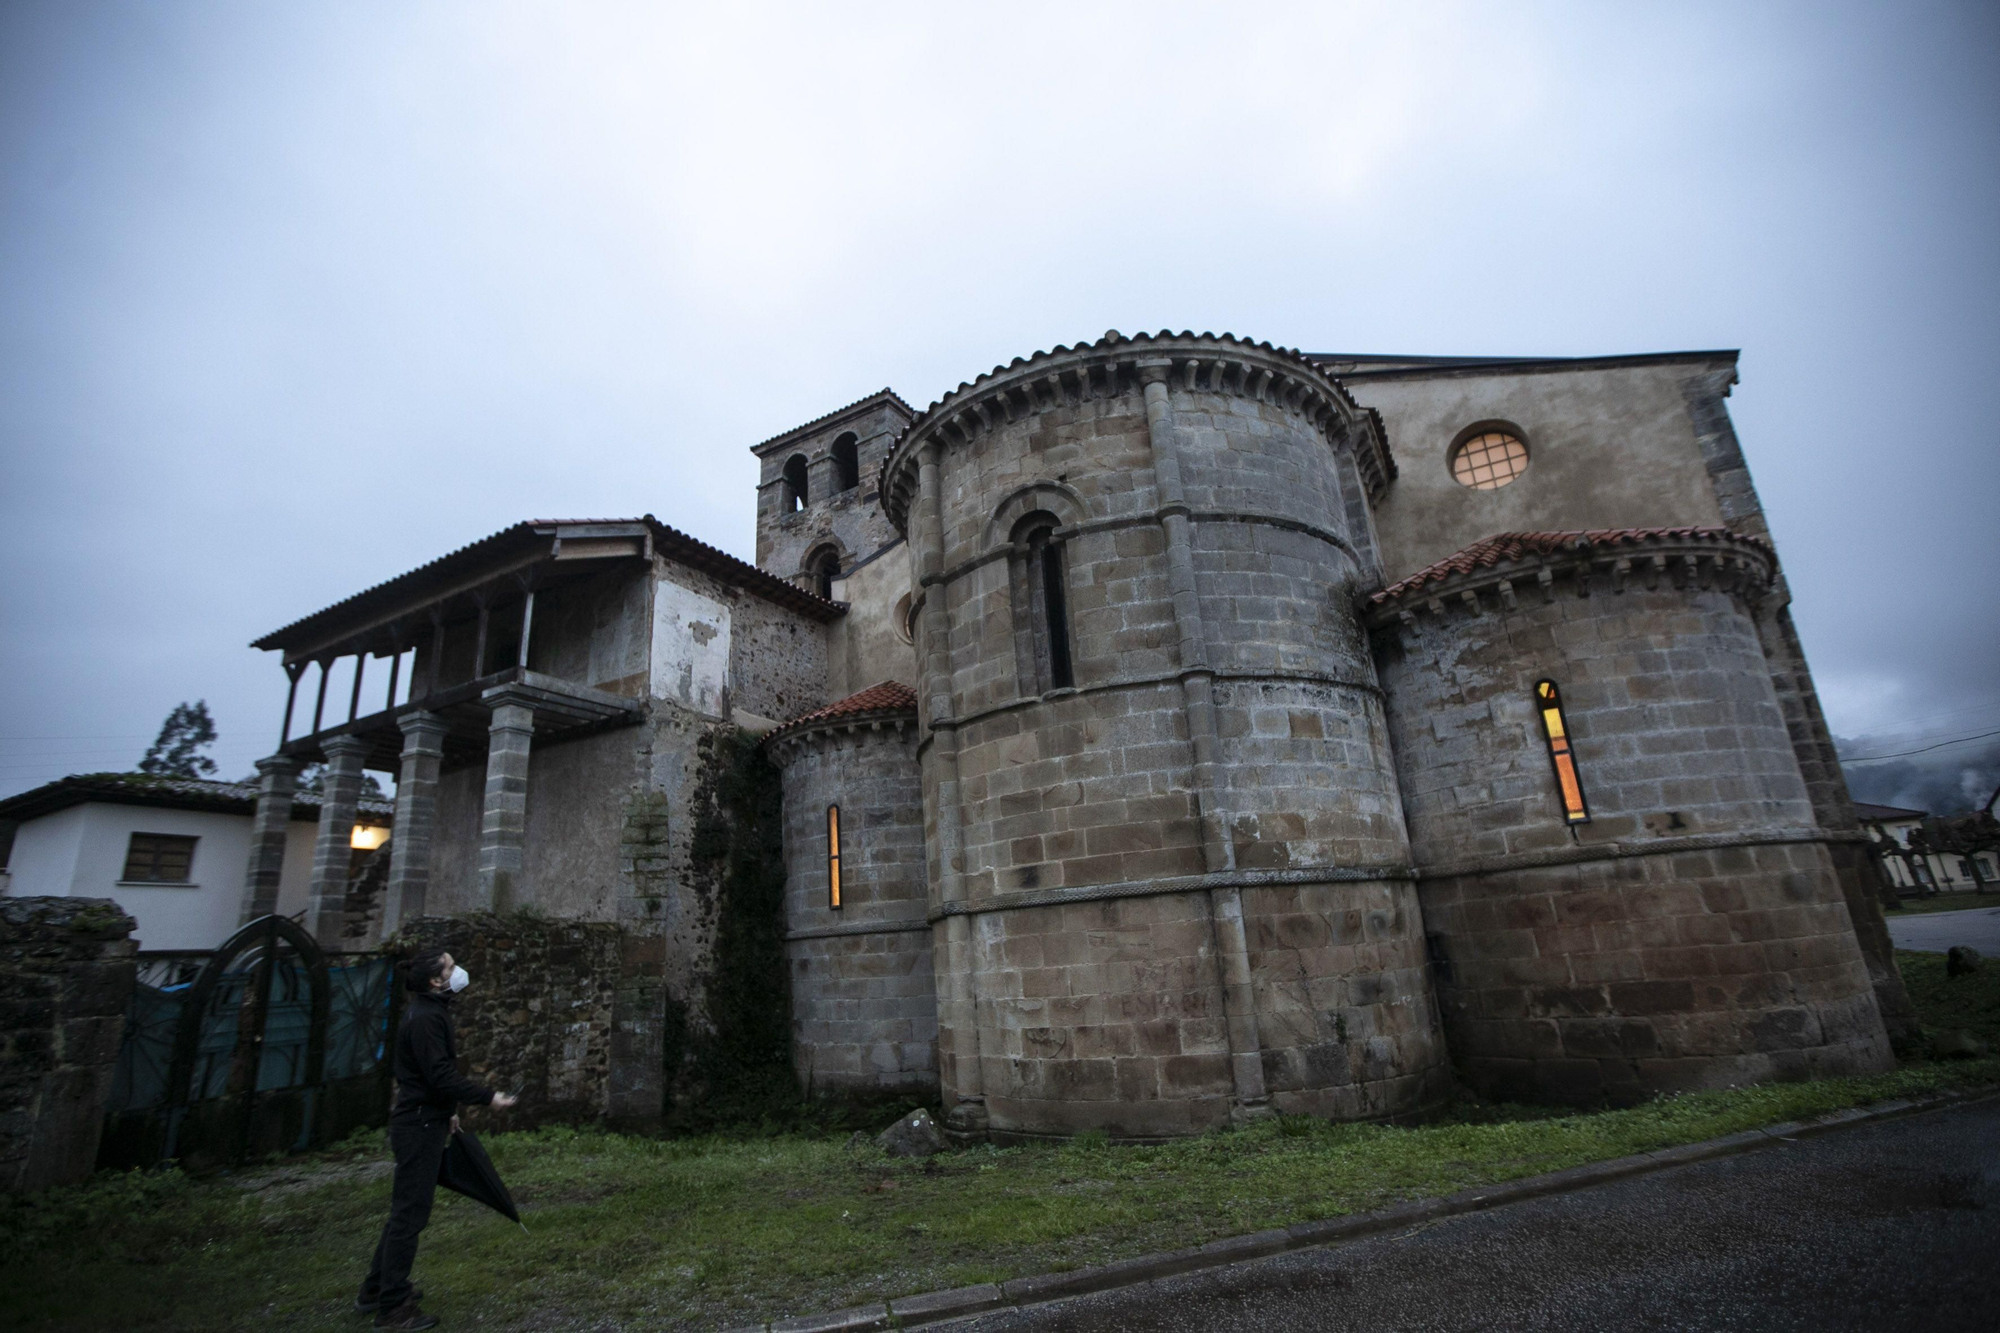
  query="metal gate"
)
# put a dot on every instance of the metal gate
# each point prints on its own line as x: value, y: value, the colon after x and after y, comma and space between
x: 266, y: 1045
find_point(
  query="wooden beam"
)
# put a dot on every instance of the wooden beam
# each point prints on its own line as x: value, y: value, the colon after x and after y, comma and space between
x: 479, y: 644
x: 293, y: 670
x: 354, y: 695
x: 437, y: 653
x: 319, y: 704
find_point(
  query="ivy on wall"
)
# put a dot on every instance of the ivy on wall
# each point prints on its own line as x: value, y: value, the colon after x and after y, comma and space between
x: 735, y: 1069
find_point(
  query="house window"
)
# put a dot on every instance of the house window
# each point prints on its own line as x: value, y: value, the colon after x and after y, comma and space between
x: 792, y: 494
x: 833, y: 857
x: 1489, y: 460
x: 1555, y: 728
x: 1041, y: 607
x: 158, y: 858
x: 846, y: 463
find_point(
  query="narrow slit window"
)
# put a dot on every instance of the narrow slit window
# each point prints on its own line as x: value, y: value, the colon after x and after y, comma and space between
x: 1555, y: 727
x: 833, y: 857
x: 1055, y: 609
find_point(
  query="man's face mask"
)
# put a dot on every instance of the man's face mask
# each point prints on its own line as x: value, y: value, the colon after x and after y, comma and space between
x: 459, y: 981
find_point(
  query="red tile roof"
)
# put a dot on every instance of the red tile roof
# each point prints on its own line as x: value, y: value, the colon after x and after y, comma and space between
x: 888, y: 697
x: 1508, y: 546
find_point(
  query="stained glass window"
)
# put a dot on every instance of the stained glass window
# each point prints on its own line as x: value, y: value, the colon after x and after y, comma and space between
x: 833, y: 856
x: 1555, y: 727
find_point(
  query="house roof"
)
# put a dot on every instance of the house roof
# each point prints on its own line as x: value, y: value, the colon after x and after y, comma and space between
x: 880, y: 398
x: 513, y: 548
x: 1507, y: 546
x: 889, y: 698
x: 1890, y: 813
x: 229, y: 798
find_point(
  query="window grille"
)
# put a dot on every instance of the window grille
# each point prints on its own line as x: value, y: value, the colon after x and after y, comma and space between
x: 159, y: 858
x: 1490, y: 460
x: 1555, y: 728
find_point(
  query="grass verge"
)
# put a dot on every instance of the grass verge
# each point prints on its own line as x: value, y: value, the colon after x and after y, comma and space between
x: 705, y: 1232
x: 1960, y: 901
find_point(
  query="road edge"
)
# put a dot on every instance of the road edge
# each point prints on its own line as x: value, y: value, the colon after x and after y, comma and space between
x: 961, y: 1302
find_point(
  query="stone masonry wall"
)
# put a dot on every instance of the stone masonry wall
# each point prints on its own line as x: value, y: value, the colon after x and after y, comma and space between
x: 66, y: 977
x: 1693, y: 933
x: 864, y: 1003
x: 850, y: 520
x: 1118, y: 979
x: 537, y: 1017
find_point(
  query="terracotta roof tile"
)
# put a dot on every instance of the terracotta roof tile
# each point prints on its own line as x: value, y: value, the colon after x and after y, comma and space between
x: 890, y: 696
x: 172, y: 793
x: 1507, y: 546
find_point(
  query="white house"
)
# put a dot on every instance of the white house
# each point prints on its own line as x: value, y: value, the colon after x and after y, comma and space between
x: 173, y: 852
x: 1948, y: 873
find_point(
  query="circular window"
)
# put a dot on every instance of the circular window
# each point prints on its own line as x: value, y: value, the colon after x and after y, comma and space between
x: 905, y: 622
x: 1489, y: 460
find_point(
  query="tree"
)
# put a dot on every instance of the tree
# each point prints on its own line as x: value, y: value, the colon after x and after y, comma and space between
x: 312, y: 782
x: 177, y: 753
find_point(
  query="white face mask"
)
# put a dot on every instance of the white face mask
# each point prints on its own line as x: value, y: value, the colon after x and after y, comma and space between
x: 459, y: 981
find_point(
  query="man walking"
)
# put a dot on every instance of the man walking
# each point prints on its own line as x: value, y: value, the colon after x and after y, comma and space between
x: 429, y: 1089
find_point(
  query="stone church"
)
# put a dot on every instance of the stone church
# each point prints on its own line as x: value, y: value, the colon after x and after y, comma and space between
x: 1173, y: 729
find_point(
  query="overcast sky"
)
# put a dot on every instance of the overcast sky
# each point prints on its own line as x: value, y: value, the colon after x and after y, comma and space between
x: 294, y: 297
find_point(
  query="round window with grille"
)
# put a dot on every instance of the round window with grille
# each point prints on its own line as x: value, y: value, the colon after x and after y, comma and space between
x: 1489, y: 460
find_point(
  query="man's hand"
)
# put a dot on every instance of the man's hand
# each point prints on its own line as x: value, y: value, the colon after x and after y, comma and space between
x: 454, y: 1124
x: 503, y: 1100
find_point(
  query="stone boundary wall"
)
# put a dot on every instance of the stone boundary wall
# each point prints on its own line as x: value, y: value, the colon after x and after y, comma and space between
x: 66, y: 977
x: 537, y: 1017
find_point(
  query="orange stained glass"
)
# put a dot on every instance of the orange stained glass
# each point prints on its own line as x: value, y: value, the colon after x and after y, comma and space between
x: 833, y: 856
x: 1555, y: 728
x: 1489, y: 461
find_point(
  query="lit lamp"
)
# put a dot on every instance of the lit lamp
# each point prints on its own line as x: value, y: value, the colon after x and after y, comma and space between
x: 367, y: 837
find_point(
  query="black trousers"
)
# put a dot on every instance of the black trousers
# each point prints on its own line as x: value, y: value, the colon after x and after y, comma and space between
x: 419, y: 1148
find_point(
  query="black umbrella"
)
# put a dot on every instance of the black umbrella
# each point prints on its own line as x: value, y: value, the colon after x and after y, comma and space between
x: 467, y: 1169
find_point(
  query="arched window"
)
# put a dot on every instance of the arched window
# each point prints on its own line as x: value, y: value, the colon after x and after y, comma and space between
x: 1040, y: 586
x: 825, y: 568
x: 793, y: 492
x: 846, y: 463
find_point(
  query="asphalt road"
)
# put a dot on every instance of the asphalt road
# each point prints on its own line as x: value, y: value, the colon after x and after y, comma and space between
x: 1893, y: 1226
x: 1934, y: 932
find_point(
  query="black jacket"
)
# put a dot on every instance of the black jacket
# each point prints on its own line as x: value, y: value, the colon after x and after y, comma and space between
x: 428, y: 1083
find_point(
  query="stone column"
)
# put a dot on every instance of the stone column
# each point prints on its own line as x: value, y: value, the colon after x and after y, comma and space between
x: 277, y: 781
x: 952, y: 945
x: 416, y: 819
x: 333, y: 850
x: 503, y: 828
x: 1232, y: 946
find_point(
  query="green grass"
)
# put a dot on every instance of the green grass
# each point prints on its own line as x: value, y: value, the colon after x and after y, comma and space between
x: 630, y: 1232
x: 1963, y: 901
